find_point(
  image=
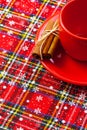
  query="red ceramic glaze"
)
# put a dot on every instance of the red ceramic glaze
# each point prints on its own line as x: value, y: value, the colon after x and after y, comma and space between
x: 63, y: 66
x: 73, y: 29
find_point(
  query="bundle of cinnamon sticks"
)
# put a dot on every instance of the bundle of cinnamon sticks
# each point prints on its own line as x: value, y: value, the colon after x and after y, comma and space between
x: 46, y: 45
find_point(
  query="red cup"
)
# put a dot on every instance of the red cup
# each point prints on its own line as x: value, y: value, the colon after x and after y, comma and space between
x: 73, y: 29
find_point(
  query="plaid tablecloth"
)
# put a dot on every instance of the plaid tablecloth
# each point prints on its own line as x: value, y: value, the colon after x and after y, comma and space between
x: 30, y: 97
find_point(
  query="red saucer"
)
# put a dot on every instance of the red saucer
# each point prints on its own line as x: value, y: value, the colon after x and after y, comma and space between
x: 63, y: 66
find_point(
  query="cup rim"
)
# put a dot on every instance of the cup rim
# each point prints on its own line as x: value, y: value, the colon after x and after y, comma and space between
x: 64, y: 27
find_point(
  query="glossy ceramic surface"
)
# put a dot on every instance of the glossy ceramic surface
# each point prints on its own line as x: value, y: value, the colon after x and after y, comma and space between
x: 62, y: 65
x: 73, y: 29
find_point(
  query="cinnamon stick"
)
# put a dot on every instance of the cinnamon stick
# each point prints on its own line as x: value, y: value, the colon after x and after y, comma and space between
x: 47, y: 45
x: 36, y: 49
x: 53, y: 47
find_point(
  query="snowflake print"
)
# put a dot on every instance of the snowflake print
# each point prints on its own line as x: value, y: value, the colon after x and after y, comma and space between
x: 25, y: 48
x: 37, y: 110
x: 39, y: 98
x: 82, y: 96
x: 11, y: 23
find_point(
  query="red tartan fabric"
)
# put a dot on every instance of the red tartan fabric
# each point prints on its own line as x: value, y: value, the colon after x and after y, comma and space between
x: 30, y: 97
